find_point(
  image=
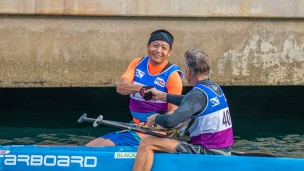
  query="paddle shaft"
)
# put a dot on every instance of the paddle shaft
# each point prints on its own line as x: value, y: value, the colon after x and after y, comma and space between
x: 125, y: 126
x: 122, y: 123
x: 133, y: 128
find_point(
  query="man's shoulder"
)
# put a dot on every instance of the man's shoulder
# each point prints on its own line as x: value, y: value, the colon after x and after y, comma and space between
x: 212, y: 85
x: 174, y: 84
x: 135, y: 62
x: 195, y: 95
x: 175, y: 78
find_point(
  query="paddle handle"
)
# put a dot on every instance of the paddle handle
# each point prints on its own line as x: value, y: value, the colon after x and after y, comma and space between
x: 98, y: 120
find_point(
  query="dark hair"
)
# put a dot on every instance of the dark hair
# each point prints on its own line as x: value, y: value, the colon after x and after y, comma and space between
x: 162, y: 35
x: 198, y: 62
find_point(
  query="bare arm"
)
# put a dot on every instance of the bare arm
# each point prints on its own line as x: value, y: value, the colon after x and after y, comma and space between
x: 124, y: 87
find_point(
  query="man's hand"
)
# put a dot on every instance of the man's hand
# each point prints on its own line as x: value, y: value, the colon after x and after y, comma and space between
x: 140, y: 125
x: 151, y: 121
x: 146, y: 95
x: 156, y: 94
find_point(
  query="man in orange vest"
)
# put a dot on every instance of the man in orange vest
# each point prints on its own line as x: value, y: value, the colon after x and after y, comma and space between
x: 153, y: 70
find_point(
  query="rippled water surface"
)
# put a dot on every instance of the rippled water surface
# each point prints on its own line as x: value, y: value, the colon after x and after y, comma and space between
x: 265, y: 119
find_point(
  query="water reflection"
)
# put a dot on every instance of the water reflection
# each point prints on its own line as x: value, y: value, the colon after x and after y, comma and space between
x: 287, y: 146
x: 281, y: 147
x: 265, y: 119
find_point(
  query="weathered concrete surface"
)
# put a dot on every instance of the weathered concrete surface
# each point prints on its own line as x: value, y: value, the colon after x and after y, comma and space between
x: 76, y: 51
x: 168, y: 8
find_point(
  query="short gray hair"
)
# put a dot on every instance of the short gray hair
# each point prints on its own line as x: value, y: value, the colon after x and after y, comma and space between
x: 198, y: 62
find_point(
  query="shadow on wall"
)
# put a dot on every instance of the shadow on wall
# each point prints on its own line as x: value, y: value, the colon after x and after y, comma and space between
x: 255, y: 110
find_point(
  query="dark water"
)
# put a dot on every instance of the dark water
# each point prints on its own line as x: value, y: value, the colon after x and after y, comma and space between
x: 265, y: 119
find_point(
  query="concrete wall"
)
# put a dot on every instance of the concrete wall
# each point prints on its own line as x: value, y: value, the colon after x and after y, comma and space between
x: 82, y: 43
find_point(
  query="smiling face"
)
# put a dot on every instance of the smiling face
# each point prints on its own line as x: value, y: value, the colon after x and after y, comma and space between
x: 158, y: 51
